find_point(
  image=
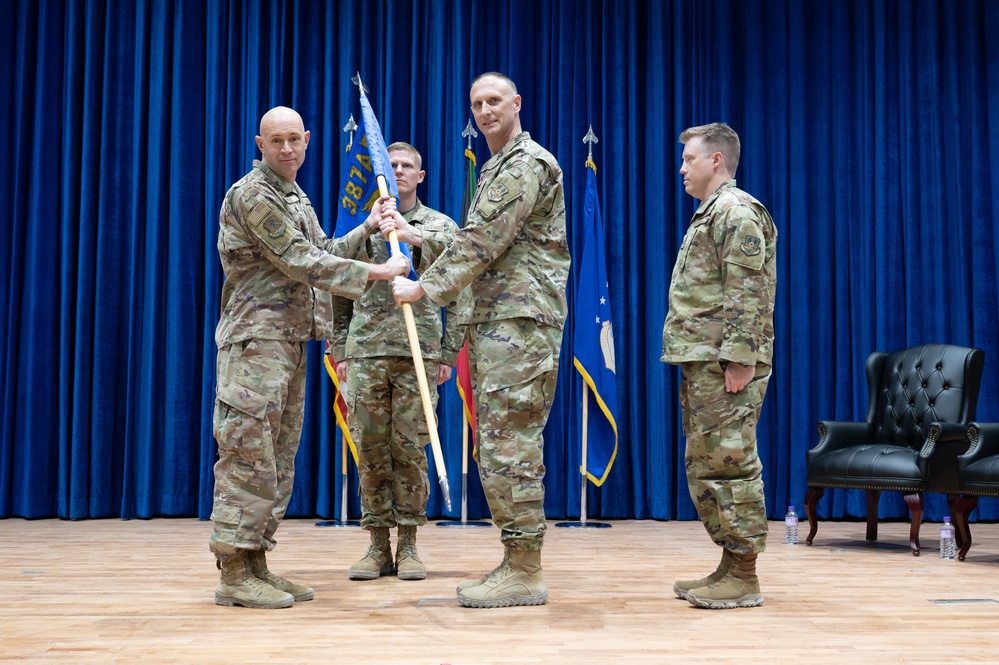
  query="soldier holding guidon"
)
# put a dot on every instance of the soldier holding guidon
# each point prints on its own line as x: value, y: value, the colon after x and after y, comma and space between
x: 513, y: 255
x: 279, y: 274
x: 385, y: 412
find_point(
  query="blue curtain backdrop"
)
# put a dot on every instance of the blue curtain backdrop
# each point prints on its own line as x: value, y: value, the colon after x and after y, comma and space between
x: 870, y: 129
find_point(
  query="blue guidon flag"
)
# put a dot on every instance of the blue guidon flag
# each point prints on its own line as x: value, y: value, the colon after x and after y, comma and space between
x: 593, y: 339
x: 367, y: 159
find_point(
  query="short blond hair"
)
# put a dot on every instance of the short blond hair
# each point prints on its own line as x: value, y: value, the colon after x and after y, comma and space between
x: 718, y: 137
x: 402, y: 145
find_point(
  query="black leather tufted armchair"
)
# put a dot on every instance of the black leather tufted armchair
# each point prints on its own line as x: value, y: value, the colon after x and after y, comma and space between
x: 920, y: 400
x: 977, y: 475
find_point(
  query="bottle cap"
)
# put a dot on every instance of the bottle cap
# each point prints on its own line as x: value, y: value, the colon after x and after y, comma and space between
x: 946, y: 518
x: 790, y: 509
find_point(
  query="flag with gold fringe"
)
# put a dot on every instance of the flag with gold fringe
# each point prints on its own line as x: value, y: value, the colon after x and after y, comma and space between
x: 593, y: 339
x: 463, y: 369
x: 339, y: 403
x: 367, y: 158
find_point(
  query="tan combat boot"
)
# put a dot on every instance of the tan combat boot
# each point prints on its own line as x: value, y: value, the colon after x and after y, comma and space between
x: 239, y: 586
x: 468, y: 584
x: 407, y: 560
x: 258, y: 564
x: 518, y: 581
x: 738, y: 588
x: 378, y: 560
x: 682, y: 588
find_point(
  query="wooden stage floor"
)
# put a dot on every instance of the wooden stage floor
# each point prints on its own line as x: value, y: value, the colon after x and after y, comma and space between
x: 112, y: 591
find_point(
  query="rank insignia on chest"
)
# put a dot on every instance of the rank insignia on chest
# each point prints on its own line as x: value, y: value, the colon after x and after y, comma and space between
x: 275, y: 227
x: 497, y: 192
x: 751, y: 246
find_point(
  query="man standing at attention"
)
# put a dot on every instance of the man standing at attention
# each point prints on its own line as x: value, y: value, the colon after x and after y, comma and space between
x: 278, y: 280
x: 720, y: 331
x: 385, y: 410
x: 513, y: 252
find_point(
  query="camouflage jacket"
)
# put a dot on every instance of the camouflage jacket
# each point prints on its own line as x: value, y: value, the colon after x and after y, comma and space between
x: 374, y: 326
x: 721, y: 298
x: 513, y: 249
x: 276, y: 265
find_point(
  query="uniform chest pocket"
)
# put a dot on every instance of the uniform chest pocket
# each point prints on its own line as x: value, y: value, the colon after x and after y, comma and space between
x: 698, y: 248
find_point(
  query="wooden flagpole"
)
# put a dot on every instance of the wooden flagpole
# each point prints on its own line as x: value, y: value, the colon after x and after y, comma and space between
x: 421, y: 372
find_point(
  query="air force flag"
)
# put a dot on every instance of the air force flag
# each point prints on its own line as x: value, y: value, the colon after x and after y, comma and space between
x: 593, y: 339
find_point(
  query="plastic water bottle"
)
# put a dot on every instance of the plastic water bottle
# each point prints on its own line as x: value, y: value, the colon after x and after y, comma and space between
x: 947, y: 539
x: 791, y: 526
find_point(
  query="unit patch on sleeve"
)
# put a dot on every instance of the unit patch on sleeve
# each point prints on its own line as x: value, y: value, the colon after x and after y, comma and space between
x: 275, y: 227
x: 751, y: 246
x: 497, y: 192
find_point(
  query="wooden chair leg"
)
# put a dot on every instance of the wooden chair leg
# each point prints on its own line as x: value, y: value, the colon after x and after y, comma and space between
x: 915, y: 503
x: 873, y: 496
x: 952, y: 507
x: 812, y: 497
x: 965, y: 505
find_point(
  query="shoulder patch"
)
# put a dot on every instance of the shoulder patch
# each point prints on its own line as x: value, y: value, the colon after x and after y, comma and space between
x: 502, y: 191
x: 744, y: 242
x: 274, y: 227
x: 751, y: 245
x: 271, y: 227
x: 497, y: 192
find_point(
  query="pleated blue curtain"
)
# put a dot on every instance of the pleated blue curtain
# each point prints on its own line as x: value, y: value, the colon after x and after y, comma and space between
x: 869, y: 129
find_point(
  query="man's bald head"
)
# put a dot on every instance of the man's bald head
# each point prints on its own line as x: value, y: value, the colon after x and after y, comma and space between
x: 283, y: 141
x: 280, y: 114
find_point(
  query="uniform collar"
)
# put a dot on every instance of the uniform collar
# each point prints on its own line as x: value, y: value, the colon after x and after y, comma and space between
x: 510, y: 145
x: 409, y: 214
x: 708, y: 202
x: 277, y: 181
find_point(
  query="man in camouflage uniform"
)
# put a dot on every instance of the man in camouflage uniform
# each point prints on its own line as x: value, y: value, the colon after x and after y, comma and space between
x: 720, y: 331
x: 276, y: 296
x: 385, y: 410
x: 513, y: 253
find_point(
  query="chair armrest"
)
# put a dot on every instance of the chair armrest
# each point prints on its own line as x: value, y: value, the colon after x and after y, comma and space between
x: 948, y: 431
x: 984, y: 438
x: 836, y: 434
x: 952, y: 437
x: 945, y: 441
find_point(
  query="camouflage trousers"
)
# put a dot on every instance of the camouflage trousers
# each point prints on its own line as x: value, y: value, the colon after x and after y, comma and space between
x: 724, y: 472
x: 514, y: 367
x: 385, y: 414
x: 259, y: 409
